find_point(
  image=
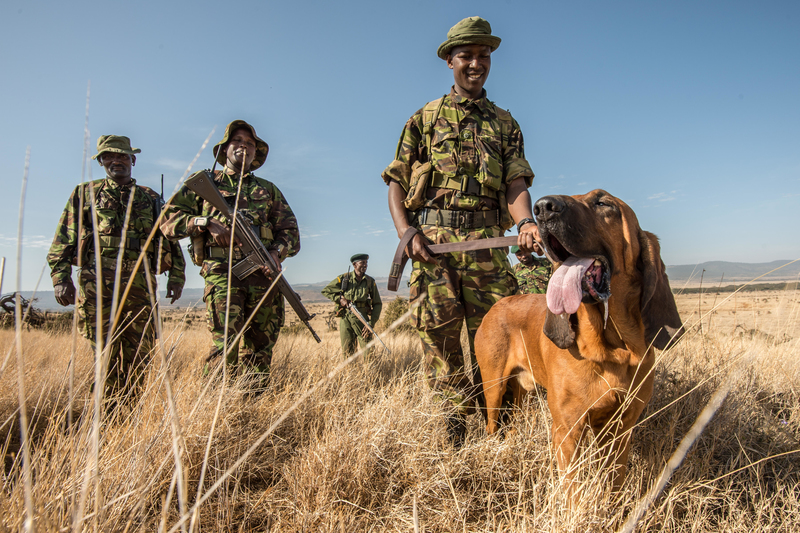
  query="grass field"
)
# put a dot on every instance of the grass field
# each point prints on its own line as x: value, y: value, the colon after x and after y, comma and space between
x: 367, y: 450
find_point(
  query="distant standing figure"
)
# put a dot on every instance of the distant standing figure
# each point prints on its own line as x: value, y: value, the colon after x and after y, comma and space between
x: 130, y: 352
x: 241, y: 152
x: 362, y: 291
x: 532, y: 272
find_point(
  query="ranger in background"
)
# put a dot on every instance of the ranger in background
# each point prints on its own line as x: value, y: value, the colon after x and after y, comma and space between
x: 241, y: 152
x: 130, y: 351
x: 532, y: 272
x: 362, y: 291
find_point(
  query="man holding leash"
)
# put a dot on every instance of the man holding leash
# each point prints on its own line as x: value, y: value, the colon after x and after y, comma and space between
x: 133, y: 337
x: 361, y: 291
x: 240, y: 152
x: 460, y: 174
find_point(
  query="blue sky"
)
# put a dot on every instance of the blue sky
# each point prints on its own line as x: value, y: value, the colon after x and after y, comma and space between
x: 688, y: 111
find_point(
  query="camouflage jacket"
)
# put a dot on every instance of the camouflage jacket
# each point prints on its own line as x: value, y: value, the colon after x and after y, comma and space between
x: 533, y: 279
x: 472, y: 139
x: 111, y: 201
x: 364, y: 294
x: 264, y: 205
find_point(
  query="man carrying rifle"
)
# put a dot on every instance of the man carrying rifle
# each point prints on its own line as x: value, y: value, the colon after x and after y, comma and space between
x: 241, y: 151
x: 459, y: 174
x: 361, y: 291
x: 74, y: 244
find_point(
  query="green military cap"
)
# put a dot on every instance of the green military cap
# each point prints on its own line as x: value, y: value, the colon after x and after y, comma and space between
x: 514, y: 249
x: 262, y: 148
x: 359, y: 257
x: 471, y: 30
x: 115, y: 143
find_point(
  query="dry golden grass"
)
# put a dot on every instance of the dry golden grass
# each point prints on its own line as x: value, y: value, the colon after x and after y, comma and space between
x: 364, y: 450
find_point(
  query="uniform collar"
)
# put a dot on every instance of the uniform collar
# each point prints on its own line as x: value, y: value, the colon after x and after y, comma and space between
x: 114, y: 185
x: 481, y: 102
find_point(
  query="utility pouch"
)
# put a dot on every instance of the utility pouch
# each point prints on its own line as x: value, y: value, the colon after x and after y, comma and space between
x: 418, y: 184
x: 197, y: 250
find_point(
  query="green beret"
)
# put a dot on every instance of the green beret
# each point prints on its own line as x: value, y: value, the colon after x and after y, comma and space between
x: 115, y: 143
x: 472, y: 30
x: 514, y: 249
x: 262, y: 148
x: 359, y: 257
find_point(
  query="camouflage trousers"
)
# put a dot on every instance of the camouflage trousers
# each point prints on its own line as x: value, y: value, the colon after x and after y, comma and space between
x: 458, y: 288
x: 532, y: 280
x: 350, y: 328
x: 134, y: 336
x: 261, y: 335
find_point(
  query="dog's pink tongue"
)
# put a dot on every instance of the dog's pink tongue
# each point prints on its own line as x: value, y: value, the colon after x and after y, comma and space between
x: 564, y: 291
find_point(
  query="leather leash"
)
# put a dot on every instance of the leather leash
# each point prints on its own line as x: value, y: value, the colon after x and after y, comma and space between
x: 400, y: 256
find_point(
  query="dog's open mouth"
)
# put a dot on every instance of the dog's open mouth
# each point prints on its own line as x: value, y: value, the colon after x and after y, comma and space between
x: 578, y: 279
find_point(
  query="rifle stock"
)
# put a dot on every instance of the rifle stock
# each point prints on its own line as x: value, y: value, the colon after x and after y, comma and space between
x: 255, y: 254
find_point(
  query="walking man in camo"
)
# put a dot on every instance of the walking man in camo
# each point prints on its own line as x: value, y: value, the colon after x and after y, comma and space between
x: 532, y: 272
x: 240, y: 152
x: 361, y: 290
x: 460, y: 174
x: 132, y: 341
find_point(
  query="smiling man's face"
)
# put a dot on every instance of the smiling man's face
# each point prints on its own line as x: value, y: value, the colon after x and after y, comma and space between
x: 470, y: 64
x: 118, y: 166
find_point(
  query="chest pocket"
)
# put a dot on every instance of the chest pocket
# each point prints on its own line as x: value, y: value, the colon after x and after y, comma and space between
x: 260, y: 203
x: 108, y: 214
x: 491, y: 166
x: 443, y: 151
x: 142, y: 217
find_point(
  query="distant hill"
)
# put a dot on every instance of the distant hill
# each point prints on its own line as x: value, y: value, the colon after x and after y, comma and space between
x: 680, y: 276
x: 714, y: 271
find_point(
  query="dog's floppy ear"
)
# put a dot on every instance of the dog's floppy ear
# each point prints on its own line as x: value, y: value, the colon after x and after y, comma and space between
x: 558, y: 329
x: 662, y: 323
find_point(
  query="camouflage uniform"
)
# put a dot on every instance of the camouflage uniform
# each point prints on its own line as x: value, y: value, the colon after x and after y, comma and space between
x: 277, y: 227
x: 364, y: 295
x: 533, y: 279
x: 130, y: 350
x: 476, y: 151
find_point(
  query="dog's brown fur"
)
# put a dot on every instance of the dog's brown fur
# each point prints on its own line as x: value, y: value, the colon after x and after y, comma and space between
x: 597, y: 377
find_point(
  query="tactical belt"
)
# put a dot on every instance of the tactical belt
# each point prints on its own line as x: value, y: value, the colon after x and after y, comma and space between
x: 110, y: 263
x: 218, y: 252
x: 457, y: 218
x: 130, y: 244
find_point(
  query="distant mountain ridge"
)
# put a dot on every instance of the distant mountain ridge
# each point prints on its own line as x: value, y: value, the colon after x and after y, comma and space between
x: 712, y: 273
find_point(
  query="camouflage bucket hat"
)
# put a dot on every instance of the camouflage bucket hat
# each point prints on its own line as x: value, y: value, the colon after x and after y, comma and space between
x: 471, y: 30
x: 262, y: 148
x: 115, y: 143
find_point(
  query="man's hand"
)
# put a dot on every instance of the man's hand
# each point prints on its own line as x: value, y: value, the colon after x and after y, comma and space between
x: 366, y: 333
x: 174, y: 290
x: 65, y: 293
x: 221, y: 233
x: 417, y: 249
x: 529, y: 239
x: 276, y: 256
x: 343, y: 301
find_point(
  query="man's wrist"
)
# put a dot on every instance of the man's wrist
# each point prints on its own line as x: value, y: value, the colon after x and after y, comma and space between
x: 523, y: 222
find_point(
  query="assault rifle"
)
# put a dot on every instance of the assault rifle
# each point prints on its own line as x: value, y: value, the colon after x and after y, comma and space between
x: 255, y: 254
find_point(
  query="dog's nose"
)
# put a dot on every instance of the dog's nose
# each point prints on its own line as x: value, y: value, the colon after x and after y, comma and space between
x: 548, y: 207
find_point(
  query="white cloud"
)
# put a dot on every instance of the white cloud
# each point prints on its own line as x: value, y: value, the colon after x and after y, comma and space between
x: 31, y: 241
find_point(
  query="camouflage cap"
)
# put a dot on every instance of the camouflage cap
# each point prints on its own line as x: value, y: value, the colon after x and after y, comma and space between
x: 262, y: 148
x: 115, y: 143
x: 471, y: 30
x: 514, y: 249
x: 359, y: 257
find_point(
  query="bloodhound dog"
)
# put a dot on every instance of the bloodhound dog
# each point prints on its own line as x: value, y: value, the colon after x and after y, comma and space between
x: 590, y: 340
